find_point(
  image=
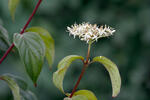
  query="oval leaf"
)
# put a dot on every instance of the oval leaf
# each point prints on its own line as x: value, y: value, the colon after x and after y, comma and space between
x: 13, y: 86
x: 12, y: 5
x: 32, y: 50
x: 63, y: 65
x: 88, y: 94
x: 4, y: 39
x: 48, y: 41
x: 78, y: 97
x: 113, y: 72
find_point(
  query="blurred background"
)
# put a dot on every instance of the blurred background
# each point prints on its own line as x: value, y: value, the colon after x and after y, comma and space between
x: 129, y: 48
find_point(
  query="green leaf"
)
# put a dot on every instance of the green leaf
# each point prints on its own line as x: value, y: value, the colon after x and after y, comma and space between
x: 21, y: 83
x: 88, y: 94
x: 28, y: 95
x: 12, y: 5
x: 113, y: 72
x: 63, y: 65
x: 20, y: 86
x: 4, y: 39
x: 23, y: 92
x: 13, y: 86
x: 48, y: 41
x: 78, y: 97
x: 32, y: 51
x: 1, y: 21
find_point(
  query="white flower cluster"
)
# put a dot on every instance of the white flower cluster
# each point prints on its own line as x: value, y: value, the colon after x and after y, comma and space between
x: 89, y: 33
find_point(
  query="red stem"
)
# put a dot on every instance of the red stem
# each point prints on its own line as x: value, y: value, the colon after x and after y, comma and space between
x: 79, y: 79
x: 86, y: 63
x: 35, y: 84
x: 26, y: 25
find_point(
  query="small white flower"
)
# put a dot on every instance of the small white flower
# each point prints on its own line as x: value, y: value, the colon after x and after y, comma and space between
x: 67, y: 98
x: 90, y: 33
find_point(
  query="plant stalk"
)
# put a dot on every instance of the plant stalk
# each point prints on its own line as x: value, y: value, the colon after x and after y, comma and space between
x: 22, y: 31
x: 85, y: 65
x: 88, y: 53
x: 1, y: 78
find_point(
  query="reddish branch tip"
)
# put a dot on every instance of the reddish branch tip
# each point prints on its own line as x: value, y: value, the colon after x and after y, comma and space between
x: 35, y: 84
x: 1, y: 78
x: 114, y: 96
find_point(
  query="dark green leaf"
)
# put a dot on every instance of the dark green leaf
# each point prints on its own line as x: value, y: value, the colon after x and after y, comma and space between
x: 19, y: 87
x: 13, y: 86
x: 32, y: 51
x: 113, y: 72
x: 4, y: 39
x: 48, y: 40
x: 22, y: 84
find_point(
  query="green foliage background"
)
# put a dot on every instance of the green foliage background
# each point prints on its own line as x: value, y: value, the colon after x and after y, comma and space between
x: 129, y: 48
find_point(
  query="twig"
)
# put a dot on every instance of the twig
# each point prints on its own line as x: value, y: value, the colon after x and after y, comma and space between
x: 26, y: 25
x: 85, y: 64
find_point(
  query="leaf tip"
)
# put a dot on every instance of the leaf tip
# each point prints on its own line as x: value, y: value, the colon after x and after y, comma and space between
x: 115, y: 95
x: 50, y: 68
x: 13, y: 18
x: 35, y: 84
x: 1, y: 78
